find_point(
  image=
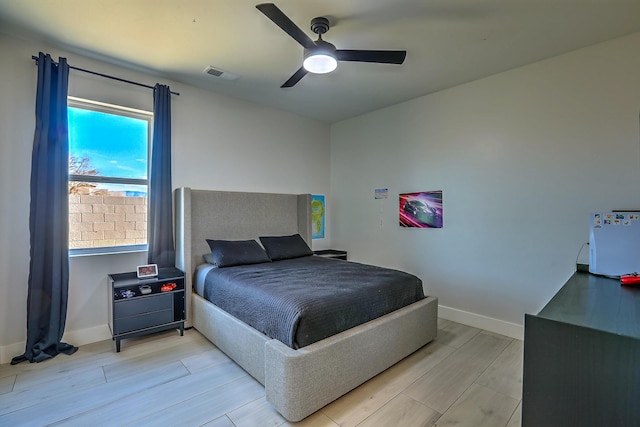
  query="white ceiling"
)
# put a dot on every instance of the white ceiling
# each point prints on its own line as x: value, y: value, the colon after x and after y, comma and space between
x: 448, y: 42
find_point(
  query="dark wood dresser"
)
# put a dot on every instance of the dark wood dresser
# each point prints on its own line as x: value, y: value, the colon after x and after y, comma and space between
x: 582, y: 356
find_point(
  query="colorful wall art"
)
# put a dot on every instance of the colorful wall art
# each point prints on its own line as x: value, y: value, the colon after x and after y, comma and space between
x: 421, y: 210
x: 318, y: 216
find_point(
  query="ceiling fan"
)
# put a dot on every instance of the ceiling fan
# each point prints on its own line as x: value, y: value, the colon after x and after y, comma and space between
x: 320, y: 56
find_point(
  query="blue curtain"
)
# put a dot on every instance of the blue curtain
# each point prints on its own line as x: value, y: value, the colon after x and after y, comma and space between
x: 161, y: 249
x: 49, y: 217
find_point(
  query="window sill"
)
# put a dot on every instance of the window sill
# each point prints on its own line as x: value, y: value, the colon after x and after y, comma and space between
x: 110, y: 250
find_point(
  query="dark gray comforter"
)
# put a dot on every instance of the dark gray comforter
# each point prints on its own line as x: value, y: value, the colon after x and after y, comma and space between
x: 304, y: 300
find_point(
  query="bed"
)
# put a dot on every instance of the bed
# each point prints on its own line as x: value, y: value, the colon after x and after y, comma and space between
x: 300, y: 381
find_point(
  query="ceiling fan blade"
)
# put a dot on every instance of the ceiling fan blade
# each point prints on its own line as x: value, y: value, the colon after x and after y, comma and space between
x: 295, y: 78
x: 272, y: 12
x: 379, y: 56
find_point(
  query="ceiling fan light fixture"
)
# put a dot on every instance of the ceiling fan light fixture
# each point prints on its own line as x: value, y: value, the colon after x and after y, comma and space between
x: 320, y: 59
x: 320, y: 63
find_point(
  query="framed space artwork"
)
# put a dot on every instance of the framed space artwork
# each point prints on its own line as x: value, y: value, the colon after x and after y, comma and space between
x: 420, y: 210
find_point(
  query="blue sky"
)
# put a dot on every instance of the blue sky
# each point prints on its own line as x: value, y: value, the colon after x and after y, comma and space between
x: 115, y: 145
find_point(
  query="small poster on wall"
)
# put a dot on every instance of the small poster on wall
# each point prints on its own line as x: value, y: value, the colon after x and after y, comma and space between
x: 421, y: 210
x: 318, y: 215
x: 381, y: 193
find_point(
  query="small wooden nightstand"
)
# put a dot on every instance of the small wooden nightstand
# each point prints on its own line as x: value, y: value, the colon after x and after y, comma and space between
x: 142, y: 306
x: 332, y: 253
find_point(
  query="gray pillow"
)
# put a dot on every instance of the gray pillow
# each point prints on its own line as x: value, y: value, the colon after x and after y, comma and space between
x: 285, y: 247
x: 228, y: 253
x: 208, y: 257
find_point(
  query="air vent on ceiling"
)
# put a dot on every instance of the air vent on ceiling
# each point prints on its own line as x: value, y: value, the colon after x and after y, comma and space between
x: 217, y: 72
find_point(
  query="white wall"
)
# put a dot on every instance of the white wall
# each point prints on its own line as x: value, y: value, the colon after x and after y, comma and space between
x: 218, y: 143
x: 522, y: 158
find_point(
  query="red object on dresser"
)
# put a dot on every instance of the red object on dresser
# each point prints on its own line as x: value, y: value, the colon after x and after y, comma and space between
x: 630, y: 280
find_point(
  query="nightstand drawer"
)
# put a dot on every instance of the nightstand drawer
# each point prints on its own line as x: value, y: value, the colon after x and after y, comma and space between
x: 142, y: 321
x: 142, y: 305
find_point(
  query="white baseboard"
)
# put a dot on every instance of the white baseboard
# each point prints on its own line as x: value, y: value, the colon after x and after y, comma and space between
x: 76, y: 338
x: 490, y: 324
x: 8, y: 352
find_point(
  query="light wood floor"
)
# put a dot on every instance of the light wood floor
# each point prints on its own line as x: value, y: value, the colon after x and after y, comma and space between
x: 466, y: 377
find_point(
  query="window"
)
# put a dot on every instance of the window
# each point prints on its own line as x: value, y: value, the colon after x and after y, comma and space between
x: 109, y: 150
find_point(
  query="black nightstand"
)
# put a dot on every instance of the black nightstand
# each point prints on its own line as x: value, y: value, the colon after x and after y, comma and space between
x: 332, y: 253
x: 142, y: 306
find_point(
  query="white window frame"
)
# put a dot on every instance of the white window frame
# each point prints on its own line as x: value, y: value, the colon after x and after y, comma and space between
x: 127, y: 112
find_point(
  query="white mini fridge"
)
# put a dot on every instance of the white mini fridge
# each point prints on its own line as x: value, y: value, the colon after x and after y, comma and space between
x: 614, y: 243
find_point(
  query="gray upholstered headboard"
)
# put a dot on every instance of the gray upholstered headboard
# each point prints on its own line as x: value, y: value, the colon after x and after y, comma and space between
x: 203, y: 214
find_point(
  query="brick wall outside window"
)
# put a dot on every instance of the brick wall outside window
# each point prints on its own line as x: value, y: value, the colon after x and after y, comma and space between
x: 112, y: 219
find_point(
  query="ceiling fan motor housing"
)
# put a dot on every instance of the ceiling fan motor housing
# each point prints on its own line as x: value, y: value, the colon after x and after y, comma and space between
x: 321, y: 47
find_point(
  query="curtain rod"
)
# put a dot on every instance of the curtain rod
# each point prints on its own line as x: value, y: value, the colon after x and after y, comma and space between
x: 35, y: 58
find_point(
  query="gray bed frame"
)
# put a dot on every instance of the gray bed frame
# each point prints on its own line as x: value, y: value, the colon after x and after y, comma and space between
x: 297, y: 382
